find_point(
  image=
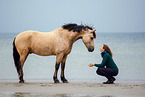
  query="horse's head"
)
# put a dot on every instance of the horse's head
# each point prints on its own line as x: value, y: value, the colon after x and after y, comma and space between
x: 88, y: 37
x: 86, y: 33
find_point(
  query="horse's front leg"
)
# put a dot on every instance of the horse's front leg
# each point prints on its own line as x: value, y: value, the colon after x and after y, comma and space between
x: 58, y: 60
x: 55, y: 73
x: 63, y: 79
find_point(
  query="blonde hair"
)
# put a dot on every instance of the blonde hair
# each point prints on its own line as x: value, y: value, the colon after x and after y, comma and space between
x: 106, y: 47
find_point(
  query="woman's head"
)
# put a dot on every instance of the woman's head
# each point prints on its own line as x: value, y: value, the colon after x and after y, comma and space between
x: 105, y: 47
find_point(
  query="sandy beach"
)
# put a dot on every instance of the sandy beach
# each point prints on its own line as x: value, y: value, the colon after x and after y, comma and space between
x: 72, y: 89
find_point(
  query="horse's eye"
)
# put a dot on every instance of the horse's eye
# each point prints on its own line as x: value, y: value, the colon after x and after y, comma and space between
x: 92, y: 38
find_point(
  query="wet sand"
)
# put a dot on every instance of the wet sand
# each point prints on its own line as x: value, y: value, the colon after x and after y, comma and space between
x: 72, y: 89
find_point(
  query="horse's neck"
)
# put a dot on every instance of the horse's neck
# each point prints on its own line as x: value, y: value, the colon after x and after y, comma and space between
x: 72, y: 36
x: 68, y: 36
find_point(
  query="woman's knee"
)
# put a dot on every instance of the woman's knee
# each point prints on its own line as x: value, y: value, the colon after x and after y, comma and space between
x: 98, y: 71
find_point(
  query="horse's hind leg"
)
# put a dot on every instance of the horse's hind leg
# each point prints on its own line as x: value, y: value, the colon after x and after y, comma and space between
x: 19, y: 61
x: 22, y: 60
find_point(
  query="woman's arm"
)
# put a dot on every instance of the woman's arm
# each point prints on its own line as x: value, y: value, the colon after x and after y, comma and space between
x: 104, y: 61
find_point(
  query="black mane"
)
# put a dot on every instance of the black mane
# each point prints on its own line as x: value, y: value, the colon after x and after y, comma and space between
x: 75, y: 27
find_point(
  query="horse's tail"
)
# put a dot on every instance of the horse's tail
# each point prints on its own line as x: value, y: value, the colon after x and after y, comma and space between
x: 16, y: 57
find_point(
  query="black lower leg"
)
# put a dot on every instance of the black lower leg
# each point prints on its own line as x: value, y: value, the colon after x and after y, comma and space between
x: 55, y: 73
x: 63, y: 79
x: 55, y: 80
x: 21, y: 77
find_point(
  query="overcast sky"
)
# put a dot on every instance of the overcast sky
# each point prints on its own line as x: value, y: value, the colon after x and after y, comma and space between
x: 46, y: 15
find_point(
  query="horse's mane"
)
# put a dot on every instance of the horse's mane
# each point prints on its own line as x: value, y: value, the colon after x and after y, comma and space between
x: 75, y: 27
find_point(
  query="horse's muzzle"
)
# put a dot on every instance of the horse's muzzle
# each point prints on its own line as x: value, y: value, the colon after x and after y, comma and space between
x: 91, y: 49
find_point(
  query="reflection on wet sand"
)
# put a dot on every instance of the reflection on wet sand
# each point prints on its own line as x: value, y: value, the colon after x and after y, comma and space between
x: 25, y: 94
x: 38, y: 95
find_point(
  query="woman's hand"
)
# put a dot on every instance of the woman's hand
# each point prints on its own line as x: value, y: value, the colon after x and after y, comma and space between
x: 92, y: 64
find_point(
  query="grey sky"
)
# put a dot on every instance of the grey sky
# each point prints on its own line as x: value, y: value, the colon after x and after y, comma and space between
x: 47, y: 15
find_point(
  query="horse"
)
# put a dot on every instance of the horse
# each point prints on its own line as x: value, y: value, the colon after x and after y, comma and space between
x: 58, y: 42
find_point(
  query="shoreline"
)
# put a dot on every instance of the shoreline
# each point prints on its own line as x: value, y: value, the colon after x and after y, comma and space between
x: 72, y: 89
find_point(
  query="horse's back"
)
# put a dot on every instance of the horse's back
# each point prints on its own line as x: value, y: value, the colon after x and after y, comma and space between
x: 28, y: 36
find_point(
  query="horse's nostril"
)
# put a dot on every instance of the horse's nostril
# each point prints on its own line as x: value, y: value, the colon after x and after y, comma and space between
x: 91, y: 49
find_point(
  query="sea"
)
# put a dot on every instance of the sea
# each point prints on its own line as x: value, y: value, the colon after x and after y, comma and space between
x: 128, y: 53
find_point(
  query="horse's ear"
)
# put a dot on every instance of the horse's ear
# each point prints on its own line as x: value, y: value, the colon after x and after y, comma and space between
x: 93, y: 30
x: 94, y: 34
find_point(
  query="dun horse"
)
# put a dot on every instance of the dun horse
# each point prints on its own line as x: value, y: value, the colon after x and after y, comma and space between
x: 58, y: 42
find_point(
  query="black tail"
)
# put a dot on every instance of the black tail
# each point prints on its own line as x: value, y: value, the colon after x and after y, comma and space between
x: 16, y: 57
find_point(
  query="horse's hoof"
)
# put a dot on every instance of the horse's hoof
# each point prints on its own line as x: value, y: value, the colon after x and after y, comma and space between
x: 56, y: 81
x: 21, y: 81
x: 64, y: 80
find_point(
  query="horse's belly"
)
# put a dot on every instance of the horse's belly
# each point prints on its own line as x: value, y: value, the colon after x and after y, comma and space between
x: 42, y: 51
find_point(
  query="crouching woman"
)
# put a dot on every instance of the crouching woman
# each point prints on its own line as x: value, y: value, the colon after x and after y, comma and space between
x: 107, y: 68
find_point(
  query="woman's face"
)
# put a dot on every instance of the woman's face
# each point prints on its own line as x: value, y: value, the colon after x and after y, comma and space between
x: 101, y: 49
